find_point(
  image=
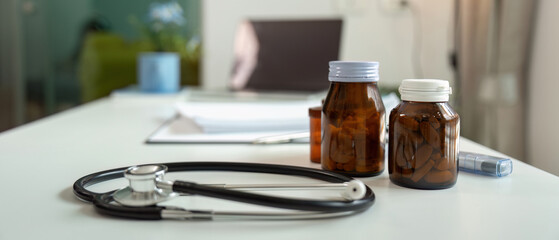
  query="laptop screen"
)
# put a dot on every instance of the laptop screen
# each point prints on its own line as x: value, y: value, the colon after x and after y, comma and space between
x: 287, y: 55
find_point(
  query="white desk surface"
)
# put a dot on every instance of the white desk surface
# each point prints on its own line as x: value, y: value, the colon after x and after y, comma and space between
x: 41, y: 160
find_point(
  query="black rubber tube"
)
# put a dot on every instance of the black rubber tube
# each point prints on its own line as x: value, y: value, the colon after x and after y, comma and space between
x: 103, y: 205
x: 277, y: 202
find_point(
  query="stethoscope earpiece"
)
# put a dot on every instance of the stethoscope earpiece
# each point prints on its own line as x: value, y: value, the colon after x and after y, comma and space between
x: 354, y: 190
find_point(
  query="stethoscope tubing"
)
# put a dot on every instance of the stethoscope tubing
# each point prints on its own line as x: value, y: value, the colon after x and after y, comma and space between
x: 103, y: 201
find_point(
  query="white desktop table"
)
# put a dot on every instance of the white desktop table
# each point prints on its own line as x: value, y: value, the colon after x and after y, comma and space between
x: 41, y: 160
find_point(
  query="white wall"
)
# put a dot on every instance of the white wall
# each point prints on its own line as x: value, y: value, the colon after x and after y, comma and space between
x: 543, y: 120
x: 370, y: 33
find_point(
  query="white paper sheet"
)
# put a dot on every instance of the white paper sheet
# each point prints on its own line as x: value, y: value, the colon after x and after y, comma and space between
x: 184, y: 130
x: 223, y: 117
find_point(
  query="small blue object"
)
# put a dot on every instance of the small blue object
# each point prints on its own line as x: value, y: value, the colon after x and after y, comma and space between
x: 159, y: 72
x: 483, y: 164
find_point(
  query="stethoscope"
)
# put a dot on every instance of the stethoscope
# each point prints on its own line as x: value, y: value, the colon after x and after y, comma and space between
x: 147, y: 188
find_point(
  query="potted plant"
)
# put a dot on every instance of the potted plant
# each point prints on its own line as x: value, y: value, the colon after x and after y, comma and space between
x: 159, y: 71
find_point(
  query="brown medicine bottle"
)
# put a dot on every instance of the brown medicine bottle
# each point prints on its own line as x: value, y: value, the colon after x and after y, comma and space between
x: 315, y: 132
x: 353, y: 121
x: 423, y: 136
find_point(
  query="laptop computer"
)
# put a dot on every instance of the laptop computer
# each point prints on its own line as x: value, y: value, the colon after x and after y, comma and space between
x: 285, y: 55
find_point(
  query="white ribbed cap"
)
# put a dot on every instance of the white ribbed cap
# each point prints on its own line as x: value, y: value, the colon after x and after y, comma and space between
x: 425, y: 90
x: 346, y: 71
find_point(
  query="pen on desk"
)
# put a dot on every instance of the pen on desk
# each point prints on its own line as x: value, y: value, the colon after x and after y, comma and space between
x: 284, y: 138
x: 484, y: 164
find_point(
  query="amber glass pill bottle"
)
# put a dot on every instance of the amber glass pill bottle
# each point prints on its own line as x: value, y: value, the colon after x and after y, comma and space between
x: 353, y: 121
x: 423, y: 136
x: 315, y: 129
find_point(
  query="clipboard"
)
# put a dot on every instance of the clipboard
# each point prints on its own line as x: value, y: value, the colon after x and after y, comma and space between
x: 182, y: 130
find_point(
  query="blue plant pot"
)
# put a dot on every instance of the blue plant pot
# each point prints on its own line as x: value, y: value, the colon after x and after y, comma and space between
x: 159, y: 72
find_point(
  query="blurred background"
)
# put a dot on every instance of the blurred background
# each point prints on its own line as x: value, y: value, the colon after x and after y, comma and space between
x: 499, y: 55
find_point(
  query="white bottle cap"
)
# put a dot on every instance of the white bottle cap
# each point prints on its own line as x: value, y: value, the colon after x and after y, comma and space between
x: 346, y: 71
x: 425, y: 90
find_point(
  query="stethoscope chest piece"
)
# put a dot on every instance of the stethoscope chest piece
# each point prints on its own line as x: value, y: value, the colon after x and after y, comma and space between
x: 142, y: 190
